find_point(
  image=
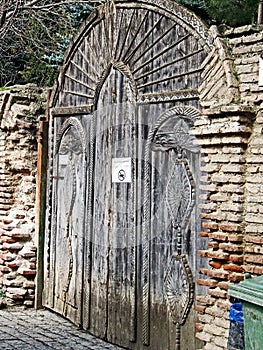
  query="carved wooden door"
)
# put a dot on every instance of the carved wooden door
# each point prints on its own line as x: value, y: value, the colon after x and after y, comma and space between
x: 66, y: 246
x: 169, y: 231
x: 113, y: 223
x: 122, y: 227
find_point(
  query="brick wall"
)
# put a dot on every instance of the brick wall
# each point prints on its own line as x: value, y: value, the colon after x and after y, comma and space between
x: 230, y: 134
x: 21, y: 108
x: 253, y: 239
x: 246, y: 46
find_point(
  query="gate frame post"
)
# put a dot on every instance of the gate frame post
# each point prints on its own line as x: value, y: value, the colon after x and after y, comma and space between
x: 41, y: 187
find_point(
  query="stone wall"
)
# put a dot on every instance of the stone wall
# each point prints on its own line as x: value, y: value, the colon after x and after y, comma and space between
x: 21, y: 108
x: 230, y: 134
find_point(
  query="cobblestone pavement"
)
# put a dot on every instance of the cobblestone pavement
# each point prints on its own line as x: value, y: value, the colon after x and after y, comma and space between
x: 43, y: 330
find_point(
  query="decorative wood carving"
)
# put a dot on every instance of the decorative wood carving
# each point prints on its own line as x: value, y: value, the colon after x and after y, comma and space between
x: 181, y: 95
x: 150, y: 52
x: 179, y: 288
x: 179, y: 196
x: 171, y: 133
x: 70, y: 141
x: 161, y: 52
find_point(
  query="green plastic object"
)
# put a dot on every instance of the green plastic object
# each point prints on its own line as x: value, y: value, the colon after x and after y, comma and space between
x: 250, y: 292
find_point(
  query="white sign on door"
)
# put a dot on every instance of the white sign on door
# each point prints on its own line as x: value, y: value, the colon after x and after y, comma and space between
x: 121, y: 170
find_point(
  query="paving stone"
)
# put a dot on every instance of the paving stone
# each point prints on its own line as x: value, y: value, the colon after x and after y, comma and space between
x: 42, y: 330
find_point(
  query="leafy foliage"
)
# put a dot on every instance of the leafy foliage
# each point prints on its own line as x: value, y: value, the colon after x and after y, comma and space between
x: 232, y: 12
x: 199, y: 7
x: 34, y: 34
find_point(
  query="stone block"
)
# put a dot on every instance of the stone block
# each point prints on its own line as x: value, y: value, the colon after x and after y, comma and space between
x: 12, y: 246
x: 14, y: 264
x: 256, y: 239
x: 215, y: 311
x: 223, y: 285
x: 19, y: 235
x: 231, y: 227
x: 219, y: 197
x: 218, y: 255
x: 236, y: 277
x: 26, y: 272
x: 28, y: 303
x: 206, y: 282
x: 233, y: 168
x: 219, y: 236
x: 4, y: 269
x: 215, y: 330
x: 254, y: 249
x: 11, y: 275
x: 232, y: 188
x: 220, y: 178
x: 233, y: 267
x: 230, y: 247
x: 203, y: 336
x: 236, y: 238
x: 223, y: 323
x: 254, y: 218
x: 251, y: 258
x: 233, y: 207
x: 234, y: 258
x: 205, y: 300
x: 215, y: 264
x: 217, y: 273
x: 17, y: 283
x: 251, y: 228
x: 27, y: 252
x: 209, y: 225
x: 29, y: 284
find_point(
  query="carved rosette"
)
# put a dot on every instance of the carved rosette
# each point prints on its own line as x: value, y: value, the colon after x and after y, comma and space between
x: 179, y: 288
x: 179, y: 196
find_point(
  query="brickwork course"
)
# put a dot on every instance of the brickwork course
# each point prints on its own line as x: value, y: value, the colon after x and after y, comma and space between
x: 230, y: 136
x: 231, y: 200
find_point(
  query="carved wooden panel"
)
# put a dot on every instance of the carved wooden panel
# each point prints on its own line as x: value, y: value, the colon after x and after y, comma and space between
x: 128, y: 91
x: 160, y: 52
x: 169, y: 232
x: 66, y: 240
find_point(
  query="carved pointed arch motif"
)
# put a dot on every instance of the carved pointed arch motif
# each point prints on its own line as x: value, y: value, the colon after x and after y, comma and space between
x: 65, y: 235
x: 123, y: 35
x: 78, y: 140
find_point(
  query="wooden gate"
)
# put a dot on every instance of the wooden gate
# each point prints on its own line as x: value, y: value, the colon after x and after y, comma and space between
x: 122, y: 213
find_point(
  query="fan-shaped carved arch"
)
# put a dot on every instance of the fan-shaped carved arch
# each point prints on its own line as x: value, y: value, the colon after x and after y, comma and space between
x: 158, y: 50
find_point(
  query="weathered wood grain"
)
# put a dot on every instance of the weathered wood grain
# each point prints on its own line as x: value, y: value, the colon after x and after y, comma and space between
x: 122, y: 257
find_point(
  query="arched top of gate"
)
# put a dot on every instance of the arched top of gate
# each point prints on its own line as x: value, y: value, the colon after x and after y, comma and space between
x: 180, y: 15
x: 161, y: 44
